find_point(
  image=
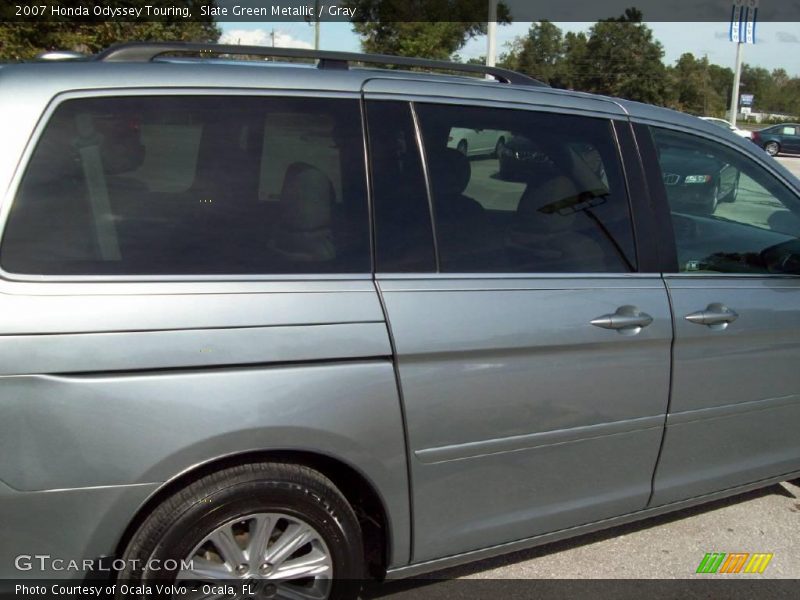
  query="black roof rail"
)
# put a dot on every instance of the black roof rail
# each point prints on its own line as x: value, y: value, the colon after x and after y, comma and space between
x: 147, y: 51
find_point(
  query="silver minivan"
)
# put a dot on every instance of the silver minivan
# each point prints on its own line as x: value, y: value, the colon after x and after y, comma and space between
x: 259, y: 322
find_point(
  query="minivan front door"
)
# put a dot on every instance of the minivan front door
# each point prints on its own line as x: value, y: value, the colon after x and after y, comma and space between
x: 735, y: 406
x: 534, y: 364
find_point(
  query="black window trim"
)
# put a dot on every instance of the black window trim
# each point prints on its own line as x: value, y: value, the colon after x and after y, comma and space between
x: 653, y: 209
x: 428, y: 189
x: 634, y: 189
x: 58, y: 99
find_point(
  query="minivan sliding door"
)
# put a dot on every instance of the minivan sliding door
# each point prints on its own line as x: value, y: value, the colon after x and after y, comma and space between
x: 533, y: 358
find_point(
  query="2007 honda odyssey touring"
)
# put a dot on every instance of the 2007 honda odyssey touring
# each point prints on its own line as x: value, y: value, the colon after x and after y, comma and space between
x: 261, y: 322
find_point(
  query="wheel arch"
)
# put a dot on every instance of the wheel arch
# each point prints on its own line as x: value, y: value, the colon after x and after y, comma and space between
x: 360, y: 492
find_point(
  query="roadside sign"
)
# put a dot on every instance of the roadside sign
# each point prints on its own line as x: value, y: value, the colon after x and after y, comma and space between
x: 746, y: 99
x: 743, y: 21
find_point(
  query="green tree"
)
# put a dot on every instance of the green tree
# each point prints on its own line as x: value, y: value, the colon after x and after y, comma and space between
x: 429, y: 28
x: 778, y: 100
x: 791, y: 92
x: 623, y: 59
x: 24, y: 40
x: 720, y: 80
x: 758, y: 81
x: 688, y: 84
x: 692, y: 87
x: 538, y: 54
x: 573, y: 68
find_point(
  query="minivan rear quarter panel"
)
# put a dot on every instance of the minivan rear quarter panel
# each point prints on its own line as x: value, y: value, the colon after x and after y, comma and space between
x: 123, y: 383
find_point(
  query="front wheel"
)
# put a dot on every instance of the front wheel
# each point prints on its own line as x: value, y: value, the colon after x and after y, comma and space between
x: 772, y: 148
x: 710, y: 202
x: 733, y: 193
x: 284, y: 529
x: 499, y: 146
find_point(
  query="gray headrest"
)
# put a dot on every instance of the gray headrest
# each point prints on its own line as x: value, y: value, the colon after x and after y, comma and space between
x: 537, y: 210
x: 450, y: 172
x: 307, y: 197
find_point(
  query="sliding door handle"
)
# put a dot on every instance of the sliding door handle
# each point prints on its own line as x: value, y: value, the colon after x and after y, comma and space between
x: 628, y: 320
x: 716, y: 316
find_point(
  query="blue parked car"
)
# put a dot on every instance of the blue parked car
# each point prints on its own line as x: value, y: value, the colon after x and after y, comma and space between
x: 783, y: 138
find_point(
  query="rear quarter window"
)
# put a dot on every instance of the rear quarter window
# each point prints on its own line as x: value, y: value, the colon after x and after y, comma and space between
x: 193, y: 185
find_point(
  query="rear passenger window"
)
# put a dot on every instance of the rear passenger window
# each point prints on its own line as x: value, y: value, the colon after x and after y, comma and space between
x: 523, y: 191
x: 193, y: 185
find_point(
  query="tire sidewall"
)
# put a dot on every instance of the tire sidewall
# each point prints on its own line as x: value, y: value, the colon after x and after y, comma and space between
x: 498, y: 147
x: 334, y: 522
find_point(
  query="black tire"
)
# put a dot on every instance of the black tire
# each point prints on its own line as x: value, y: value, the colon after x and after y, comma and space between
x: 463, y: 147
x: 183, y: 520
x: 498, y: 147
x: 734, y: 193
x: 772, y: 148
x: 710, y: 203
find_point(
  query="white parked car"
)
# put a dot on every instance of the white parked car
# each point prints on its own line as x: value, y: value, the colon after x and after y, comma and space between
x: 477, y: 142
x: 727, y: 125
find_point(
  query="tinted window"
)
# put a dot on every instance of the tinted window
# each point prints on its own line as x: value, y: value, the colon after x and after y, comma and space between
x: 404, y: 240
x: 193, y: 185
x: 728, y: 213
x: 523, y: 191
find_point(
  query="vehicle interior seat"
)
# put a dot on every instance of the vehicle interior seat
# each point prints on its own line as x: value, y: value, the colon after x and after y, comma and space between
x: 462, y: 224
x: 547, y: 239
x: 307, y: 199
x: 122, y: 153
x: 48, y: 230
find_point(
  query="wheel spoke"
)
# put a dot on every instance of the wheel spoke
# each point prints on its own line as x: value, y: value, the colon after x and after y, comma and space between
x: 261, y: 528
x: 290, y: 540
x: 227, y: 547
x: 313, y: 564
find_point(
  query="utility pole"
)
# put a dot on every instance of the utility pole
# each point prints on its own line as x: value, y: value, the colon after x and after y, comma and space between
x: 705, y: 84
x: 316, y: 25
x: 491, y: 35
x: 737, y: 75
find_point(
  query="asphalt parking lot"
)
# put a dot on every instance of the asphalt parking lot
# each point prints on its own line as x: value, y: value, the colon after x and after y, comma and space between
x: 665, y: 547
x: 791, y: 162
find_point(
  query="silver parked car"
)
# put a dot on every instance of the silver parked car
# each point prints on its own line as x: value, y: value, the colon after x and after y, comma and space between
x: 262, y: 323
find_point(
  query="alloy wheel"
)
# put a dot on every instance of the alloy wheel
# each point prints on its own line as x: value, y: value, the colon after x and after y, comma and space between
x: 284, y: 556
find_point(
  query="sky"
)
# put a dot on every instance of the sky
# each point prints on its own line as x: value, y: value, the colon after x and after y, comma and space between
x: 777, y: 44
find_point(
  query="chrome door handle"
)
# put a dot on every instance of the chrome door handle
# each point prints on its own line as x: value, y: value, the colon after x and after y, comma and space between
x: 716, y: 316
x: 628, y: 320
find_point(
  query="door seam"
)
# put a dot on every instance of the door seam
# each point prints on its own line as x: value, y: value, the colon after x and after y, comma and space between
x: 403, y: 417
x: 669, y: 393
